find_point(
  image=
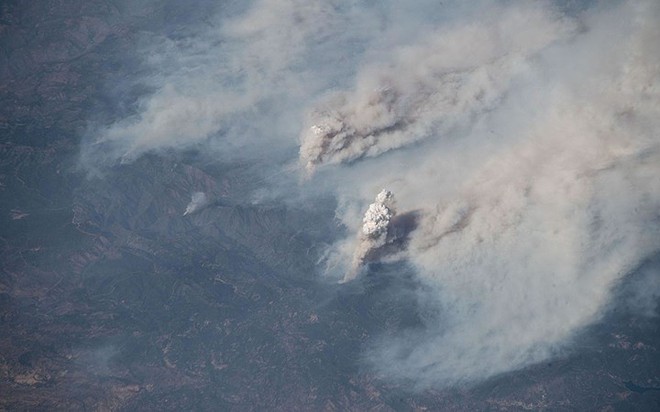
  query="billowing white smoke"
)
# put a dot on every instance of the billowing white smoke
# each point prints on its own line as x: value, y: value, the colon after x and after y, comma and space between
x: 197, y: 202
x: 373, y: 235
x: 378, y: 215
x: 429, y: 88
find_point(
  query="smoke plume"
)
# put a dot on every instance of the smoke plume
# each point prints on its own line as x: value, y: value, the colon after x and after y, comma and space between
x: 428, y: 89
x: 235, y: 84
x: 374, y: 233
x: 197, y: 202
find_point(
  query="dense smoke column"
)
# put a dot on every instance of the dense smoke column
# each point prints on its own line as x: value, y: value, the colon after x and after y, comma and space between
x: 374, y: 231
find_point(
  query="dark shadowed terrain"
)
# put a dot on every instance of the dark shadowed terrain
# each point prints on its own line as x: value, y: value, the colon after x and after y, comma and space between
x: 110, y: 299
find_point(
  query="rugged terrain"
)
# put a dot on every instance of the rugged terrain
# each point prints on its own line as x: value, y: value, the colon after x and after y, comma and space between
x: 110, y: 299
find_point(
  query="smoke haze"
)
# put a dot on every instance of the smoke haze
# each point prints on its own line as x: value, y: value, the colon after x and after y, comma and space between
x: 525, y: 138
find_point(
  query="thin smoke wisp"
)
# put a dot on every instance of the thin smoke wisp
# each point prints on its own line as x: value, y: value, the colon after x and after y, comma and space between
x: 198, y: 201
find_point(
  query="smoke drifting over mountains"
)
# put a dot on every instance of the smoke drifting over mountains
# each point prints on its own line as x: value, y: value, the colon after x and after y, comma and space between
x: 236, y: 83
x: 524, y: 137
x: 429, y: 88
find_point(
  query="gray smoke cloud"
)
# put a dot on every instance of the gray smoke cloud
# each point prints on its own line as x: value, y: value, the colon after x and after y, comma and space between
x: 429, y: 88
x: 198, y: 201
x: 524, y: 138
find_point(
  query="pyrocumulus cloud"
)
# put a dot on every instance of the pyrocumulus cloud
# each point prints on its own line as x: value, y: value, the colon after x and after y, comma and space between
x: 375, y: 226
